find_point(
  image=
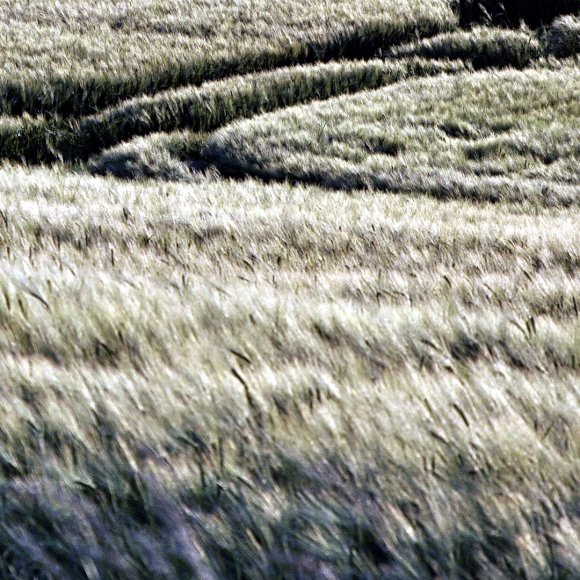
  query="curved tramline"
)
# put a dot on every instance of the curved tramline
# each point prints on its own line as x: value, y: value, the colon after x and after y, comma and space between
x: 80, y: 58
x: 510, y: 135
x: 482, y: 46
x: 203, y: 108
x: 206, y: 107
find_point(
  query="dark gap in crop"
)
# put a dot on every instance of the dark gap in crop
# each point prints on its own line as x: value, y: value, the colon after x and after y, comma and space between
x: 382, y: 146
x: 511, y: 13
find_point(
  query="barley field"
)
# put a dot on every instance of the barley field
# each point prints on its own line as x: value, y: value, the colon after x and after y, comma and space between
x: 289, y: 290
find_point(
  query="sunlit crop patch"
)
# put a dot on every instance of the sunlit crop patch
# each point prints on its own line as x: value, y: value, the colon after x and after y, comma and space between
x: 289, y: 290
x: 490, y: 136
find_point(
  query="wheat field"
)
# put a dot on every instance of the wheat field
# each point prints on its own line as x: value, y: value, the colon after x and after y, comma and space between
x: 289, y: 290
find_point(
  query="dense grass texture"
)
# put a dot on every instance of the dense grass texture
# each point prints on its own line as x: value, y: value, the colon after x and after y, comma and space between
x: 80, y: 58
x: 482, y: 46
x: 203, y: 108
x: 327, y: 325
x: 211, y: 106
x: 50, y: 138
x: 487, y: 136
x: 342, y: 415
